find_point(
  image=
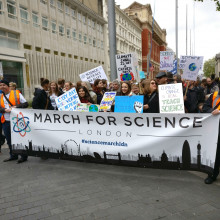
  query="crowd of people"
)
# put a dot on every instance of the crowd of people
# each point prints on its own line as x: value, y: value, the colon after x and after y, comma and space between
x: 199, y: 96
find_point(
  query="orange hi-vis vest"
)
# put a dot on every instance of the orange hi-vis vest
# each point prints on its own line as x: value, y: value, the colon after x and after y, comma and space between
x: 13, y: 98
x: 216, y: 100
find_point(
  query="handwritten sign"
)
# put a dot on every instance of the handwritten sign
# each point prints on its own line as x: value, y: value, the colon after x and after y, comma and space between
x: 93, y: 108
x: 171, y: 98
x: 107, y: 100
x: 68, y: 101
x: 82, y: 107
x: 93, y: 74
x: 166, y: 60
x: 183, y: 60
x: 127, y: 67
x: 191, y: 69
x: 129, y: 104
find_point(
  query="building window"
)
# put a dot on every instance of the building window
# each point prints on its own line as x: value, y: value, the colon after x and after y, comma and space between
x: 85, y: 39
x: 61, y: 30
x: 84, y: 19
x: 90, y: 41
x: 35, y: 19
x: 89, y: 22
x: 79, y: 16
x: 43, y: 2
x: 60, y: 6
x: 1, y: 8
x: 98, y: 27
x: 102, y: 46
x: 44, y: 23
x: 24, y: 15
x: 73, y: 13
x: 93, y: 24
x: 94, y: 42
x: 54, y: 26
x: 9, y: 40
x: 52, y: 4
x: 74, y: 34
x: 11, y: 9
x: 67, y: 10
x: 68, y: 33
x: 80, y: 37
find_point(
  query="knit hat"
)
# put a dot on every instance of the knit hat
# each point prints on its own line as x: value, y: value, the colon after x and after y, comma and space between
x: 5, y: 82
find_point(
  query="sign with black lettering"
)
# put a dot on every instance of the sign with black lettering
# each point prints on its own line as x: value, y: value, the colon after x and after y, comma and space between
x: 172, y: 141
x: 171, y: 98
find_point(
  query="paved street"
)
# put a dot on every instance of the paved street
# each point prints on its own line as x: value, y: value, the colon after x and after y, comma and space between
x: 55, y: 189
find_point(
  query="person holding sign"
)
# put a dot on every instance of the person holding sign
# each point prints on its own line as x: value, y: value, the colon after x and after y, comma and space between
x: 212, y: 105
x: 84, y: 95
x: 161, y: 78
x: 98, y: 89
x: 67, y: 86
x: 151, y: 98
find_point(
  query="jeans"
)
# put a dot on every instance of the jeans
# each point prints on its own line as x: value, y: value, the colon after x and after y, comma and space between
x: 7, y: 131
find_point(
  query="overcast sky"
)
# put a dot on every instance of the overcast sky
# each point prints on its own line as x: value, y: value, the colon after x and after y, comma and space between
x: 207, y: 25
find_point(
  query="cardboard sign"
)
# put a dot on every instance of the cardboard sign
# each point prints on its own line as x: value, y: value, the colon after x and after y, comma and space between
x: 107, y: 100
x: 191, y: 69
x: 171, y: 98
x: 93, y: 74
x: 183, y: 60
x: 129, y: 104
x: 166, y: 60
x: 68, y: 101
x: 127, y: 67
x: 1, y: 70
x: 82, y: 107
x: 94, y: 108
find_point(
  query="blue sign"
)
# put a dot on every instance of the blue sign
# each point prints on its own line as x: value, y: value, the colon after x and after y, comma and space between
x: 142, y: 76
x: 174, y: 70
x: 129, y: 104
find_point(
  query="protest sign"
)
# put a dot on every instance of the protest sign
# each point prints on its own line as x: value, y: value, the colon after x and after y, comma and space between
x: 82, y: 107
x: 93, y: 74
x: 94, y: 108
x: 166, y: 60
x: 127, y: 67
x: 130, y: 104
x: 191, y: 69
x: 168, y: 141
x: 1, y: 70
x: 174, y: 70
x: 107, y: 100
x: 68, y: 101
x: 171, y: 98
x: 183, y: 60
x: 142, y: 75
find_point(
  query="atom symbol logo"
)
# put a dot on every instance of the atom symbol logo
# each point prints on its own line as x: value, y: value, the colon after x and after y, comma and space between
x: 20, y: 125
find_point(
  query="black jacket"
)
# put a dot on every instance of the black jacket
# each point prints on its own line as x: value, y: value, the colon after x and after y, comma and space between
x: 207, y: 106
x: 40, y: 100
x: 191, y: 103
x: 153, y: 104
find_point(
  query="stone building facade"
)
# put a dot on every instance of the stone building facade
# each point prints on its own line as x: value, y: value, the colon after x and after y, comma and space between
x: 142, y: 14
x: 50, y: 38
x: 217, y: 65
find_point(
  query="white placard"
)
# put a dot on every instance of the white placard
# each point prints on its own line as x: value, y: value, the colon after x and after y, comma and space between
x: 93, y: 74
x: 107, y: 100
x: 183, y: 60
x: 191, y: 69
x: 166, y: 60
x: 68, y: 101
x: 171, y: 98
x: 127, y: 67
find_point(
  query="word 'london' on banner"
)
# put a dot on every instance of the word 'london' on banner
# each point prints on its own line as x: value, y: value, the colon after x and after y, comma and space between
x: 127, y: 67
x: 68, y: 101
x: 166, y: 60
x: 93, y: 74
x: 171, y: 98
x: 191, y: 69
x: 171, y: 141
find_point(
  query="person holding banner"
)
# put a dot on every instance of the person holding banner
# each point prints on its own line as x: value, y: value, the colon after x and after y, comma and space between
x: 54, y: 92
x: 84, y: 95
x: 151, y: 98
x: 10, y: 99
x: 41, y: 99
x: 2, y: 137
x: 98, y: 89
x: 135, y: 89
x: 212, y: 105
